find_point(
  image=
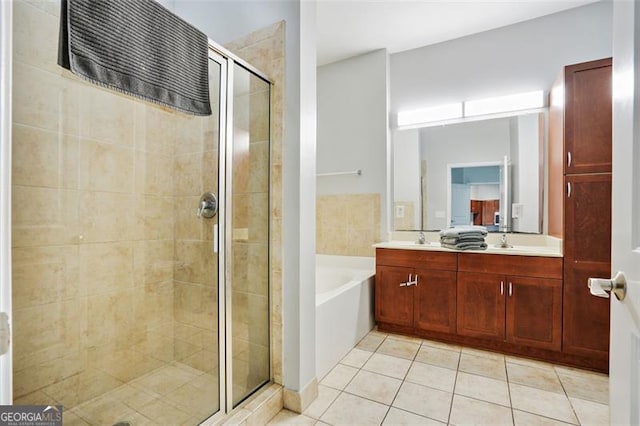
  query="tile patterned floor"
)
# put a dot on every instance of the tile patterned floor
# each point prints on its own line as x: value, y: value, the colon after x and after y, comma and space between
x: 175, y: 394
x: 395, y: 380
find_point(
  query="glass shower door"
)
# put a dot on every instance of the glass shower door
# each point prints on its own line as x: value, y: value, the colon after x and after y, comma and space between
x: 196, y: 268
x: 249, y: 227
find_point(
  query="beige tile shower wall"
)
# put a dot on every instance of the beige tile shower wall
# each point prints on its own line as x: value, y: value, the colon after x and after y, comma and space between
x: 265, y: 50
x: 93, y: 227
x: 347, y: 225
x: 195, y: 266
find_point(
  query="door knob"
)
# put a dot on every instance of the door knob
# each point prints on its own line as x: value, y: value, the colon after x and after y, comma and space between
x: 601, y: 287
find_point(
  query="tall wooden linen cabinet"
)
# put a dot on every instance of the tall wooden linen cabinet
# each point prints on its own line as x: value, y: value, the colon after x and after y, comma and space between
x: 580, y: 116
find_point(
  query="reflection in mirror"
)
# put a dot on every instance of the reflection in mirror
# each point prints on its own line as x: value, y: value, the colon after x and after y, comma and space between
x: 475, y: 195
x: 453, y: 174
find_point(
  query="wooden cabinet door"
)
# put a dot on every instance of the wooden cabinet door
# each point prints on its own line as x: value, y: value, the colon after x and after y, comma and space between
x: 587, y: 254
x: 435, y: 301
x: 476, y: 211
x: 489, y: 209
x: 394, y: 303
x: 588, y: 219
x: 481, y: 305
x: 534, y: 312
x: 587, y: 117
x: 585, y: 322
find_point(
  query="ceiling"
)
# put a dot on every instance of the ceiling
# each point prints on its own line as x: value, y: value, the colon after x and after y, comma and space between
x: 348, y: 28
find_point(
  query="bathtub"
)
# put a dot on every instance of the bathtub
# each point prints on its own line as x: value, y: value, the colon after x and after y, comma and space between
x: 344, y: 306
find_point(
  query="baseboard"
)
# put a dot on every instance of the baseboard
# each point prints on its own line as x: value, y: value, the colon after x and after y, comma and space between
x: 299, y: 401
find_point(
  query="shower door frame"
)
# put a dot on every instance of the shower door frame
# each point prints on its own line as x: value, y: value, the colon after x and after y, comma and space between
x: 227, y: 61
x: 218, y: 249
x: 6, y: 37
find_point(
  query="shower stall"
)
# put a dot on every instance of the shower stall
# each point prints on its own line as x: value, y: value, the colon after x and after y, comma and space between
x: 140, y: 241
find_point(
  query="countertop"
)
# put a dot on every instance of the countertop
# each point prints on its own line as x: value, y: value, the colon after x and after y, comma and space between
x: 515, y: 250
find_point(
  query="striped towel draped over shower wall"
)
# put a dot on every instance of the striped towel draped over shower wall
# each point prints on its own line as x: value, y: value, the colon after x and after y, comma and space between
x: 139, y: 48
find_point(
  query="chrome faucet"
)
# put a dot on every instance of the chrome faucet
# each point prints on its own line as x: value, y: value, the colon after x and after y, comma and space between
x: 421, y: 238
x: 503, y: 242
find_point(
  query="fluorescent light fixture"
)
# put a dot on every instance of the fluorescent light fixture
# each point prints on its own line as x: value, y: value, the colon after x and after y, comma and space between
x: 428, y: 115
x: 517, y: 102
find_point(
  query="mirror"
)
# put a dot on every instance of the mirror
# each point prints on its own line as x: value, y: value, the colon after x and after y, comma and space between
x: 455, y: 174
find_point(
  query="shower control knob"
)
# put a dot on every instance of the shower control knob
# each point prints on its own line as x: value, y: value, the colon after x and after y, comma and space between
x: 208, y: 206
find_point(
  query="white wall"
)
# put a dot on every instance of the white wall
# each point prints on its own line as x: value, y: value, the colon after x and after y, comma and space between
x: 526, y: 187
x: 472, y: 142
x: 353, y: 127
x: 517, y: 58
x: 406, y: 166
x: 227, y: 20
x: 485, y: 192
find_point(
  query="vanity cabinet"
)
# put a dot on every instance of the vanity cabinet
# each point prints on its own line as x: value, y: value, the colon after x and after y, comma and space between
x: 514, y: 304
x: 523, y: 310
x: 580, y: 116
x: 416, y: 288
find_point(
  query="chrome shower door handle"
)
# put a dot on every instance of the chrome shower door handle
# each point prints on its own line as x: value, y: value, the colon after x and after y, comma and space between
x: 208, y: 206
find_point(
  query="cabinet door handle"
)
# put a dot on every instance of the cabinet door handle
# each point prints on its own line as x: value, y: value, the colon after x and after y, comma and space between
x: 569, y: 159
x: 568, y: 189
x: 501, y: 288
x: 510, y: 289
x: 413, y: 280
x: 408, y: 283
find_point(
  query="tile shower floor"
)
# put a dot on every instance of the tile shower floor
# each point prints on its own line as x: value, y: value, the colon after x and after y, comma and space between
x: 174, y: 394
x: 390, y: 379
